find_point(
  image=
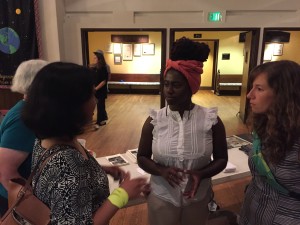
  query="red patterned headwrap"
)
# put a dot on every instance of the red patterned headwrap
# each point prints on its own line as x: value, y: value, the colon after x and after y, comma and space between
x: 191, y: 69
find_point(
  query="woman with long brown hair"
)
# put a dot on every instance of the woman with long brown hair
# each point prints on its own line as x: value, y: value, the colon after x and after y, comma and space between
x: 273, y: 195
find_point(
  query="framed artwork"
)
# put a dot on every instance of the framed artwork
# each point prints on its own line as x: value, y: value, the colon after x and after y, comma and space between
x: 277, y: 49
x: 109, y: 48
x: 117, y: 48
x: 137, y: 50
x: 269, y: 49
x: 148, y: 49
x: 117, y: 59
x: 225, y: 56
x: 127, y: 52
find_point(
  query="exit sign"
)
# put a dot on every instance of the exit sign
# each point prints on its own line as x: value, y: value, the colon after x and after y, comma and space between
x: 214, y: 16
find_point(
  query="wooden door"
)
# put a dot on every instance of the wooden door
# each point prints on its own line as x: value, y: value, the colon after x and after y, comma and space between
x: 244, y: 89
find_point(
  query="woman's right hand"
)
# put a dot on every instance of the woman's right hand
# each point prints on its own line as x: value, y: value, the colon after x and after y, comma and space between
x: 134, y: 187
x: 172, y: 174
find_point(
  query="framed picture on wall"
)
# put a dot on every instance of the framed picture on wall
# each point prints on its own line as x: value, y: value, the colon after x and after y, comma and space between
x: 268, y: 53
x: 277, y: 49
x: 117, y: 59
x: 109, y: 48
x: 137, y: 50
x: 148, y: 49
x: 127, y: 52
x: 117, y: 48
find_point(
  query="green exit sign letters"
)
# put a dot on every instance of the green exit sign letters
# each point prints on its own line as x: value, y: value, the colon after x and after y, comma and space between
x: 214, y: 16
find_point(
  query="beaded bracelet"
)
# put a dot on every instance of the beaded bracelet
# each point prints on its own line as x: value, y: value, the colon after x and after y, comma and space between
x: 118, y: 197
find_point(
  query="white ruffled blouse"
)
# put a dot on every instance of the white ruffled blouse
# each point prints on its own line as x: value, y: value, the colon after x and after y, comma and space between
x: 184, y: 143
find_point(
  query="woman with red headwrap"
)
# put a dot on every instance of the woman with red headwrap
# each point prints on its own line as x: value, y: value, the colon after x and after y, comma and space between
x: 177, y: 142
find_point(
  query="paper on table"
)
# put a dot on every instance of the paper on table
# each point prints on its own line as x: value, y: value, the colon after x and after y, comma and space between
x: 117, y: 160
x: 132, y: 154
x: 234, y: 141
x: 230, y: 168
x: 141, y: 171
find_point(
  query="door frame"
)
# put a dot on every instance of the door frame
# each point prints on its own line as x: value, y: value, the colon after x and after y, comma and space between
x: 254, y: 46
x: 163, y: 31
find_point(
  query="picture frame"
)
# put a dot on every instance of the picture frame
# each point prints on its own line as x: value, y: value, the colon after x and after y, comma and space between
x: 117, y: 48
x: 137, y: 50
x: 268, y: 53
x: 117, y: 59
x: 225, y: 56
x: 109, y: 48
x: 277, y: 49
x: 127, y: 52
x: 117, y: 160
x: 149, y: 49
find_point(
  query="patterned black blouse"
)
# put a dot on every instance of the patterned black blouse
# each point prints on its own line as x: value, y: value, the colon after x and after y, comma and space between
x: 73, y: 187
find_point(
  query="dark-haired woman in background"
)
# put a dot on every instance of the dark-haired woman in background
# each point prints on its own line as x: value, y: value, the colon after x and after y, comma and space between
x: 102, y: 74
x: 273, y: 195
x: 181, y: 138
x: 60, y: 103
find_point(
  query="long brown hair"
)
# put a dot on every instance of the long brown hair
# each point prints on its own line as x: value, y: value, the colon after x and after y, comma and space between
x: 280, y: 125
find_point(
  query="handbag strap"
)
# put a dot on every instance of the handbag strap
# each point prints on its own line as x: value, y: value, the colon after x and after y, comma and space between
x: 39, y: 168
x: 28, y: 181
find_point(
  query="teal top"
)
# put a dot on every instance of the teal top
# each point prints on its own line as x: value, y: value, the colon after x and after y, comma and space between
x: 15, y: 135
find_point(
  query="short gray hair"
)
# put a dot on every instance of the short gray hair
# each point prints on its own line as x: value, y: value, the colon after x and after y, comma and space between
x: 25, y: 74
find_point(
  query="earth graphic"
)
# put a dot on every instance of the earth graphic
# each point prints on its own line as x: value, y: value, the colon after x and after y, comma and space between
x: 9, y: 40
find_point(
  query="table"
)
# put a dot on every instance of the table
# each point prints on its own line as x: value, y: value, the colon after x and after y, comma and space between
x: 235, y: 156
x: 240, y: 160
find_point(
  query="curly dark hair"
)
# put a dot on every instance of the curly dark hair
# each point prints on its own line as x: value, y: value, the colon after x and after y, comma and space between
x: 186, y: 49
x: 54, y: 106
x: 280, y: 125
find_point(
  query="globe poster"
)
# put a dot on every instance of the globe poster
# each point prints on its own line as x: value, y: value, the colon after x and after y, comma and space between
x: 18, y: 40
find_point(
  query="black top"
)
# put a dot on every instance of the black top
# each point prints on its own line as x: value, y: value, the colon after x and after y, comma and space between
x: 101, y: 75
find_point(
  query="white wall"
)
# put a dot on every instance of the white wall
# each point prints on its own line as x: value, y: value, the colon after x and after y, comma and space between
x: 51, y: 37
x: 62, y: 20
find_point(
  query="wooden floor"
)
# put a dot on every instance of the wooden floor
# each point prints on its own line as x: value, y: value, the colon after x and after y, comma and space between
x: 127, y: 113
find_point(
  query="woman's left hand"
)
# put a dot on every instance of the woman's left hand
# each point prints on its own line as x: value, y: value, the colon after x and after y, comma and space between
x: 194, y: 179
x: 115, y: 172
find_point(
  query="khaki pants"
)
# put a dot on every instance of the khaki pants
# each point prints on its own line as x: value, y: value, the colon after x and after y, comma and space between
x: 161, y: 212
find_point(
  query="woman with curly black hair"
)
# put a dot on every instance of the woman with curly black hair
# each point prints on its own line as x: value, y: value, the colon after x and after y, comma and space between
x: 178, y: 140
x: 273, y: 196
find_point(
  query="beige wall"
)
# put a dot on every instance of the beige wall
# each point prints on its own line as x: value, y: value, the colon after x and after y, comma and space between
x: 144, y: 64
x: 61, y: 20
